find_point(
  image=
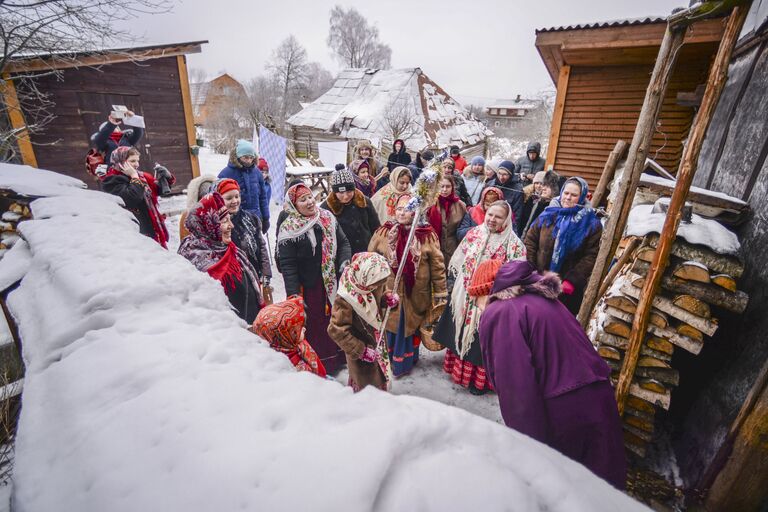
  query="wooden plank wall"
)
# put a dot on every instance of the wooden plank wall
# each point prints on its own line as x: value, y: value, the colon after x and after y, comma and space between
x: 65, y: 142
x: 602, y: 105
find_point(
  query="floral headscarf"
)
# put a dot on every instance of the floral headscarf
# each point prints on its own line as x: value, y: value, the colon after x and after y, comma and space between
x: 297, y: 225
x: 281, y: 324
x: 385, y: 200
x: 479, y: 245
x: 357, y: 284
x: 205, y: 249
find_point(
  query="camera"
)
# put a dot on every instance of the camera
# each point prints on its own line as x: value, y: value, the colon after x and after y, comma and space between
x: 162, y: 177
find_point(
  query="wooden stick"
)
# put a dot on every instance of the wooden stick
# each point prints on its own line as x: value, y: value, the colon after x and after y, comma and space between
x: 608, y: 172
x: 629, y: 251
x: 715, y: 84
x: 638, y: 151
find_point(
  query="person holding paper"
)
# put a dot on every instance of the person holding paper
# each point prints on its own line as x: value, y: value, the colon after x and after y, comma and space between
x: 112, y: 134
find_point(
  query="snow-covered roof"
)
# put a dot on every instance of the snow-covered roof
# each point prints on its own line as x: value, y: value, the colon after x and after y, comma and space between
x: 199, y: 91
x: 361, y: 99
x: 646, y: 20
x: 144, y: 391
x: 525, y: 104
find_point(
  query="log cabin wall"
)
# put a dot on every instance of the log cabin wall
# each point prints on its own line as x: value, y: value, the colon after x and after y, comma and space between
x: 82, y: 100
x: 602, y: 105
x: 733, y: 160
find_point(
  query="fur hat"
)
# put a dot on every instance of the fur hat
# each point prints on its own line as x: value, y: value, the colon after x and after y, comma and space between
x: 342, y: 181
x: 482, y: 279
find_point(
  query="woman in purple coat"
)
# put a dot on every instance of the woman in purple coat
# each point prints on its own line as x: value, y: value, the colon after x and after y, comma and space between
x: 551, y: 383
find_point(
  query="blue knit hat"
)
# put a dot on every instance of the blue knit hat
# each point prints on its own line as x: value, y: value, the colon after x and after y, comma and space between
x: 478, y: 160
x: 508, y: 166
x: 244, y: 148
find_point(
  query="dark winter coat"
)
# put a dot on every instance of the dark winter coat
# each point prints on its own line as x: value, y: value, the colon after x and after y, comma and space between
x: 532, y: 208
x: 358, y: 219
x: 513, y: 195
x: 527, y: 166
x: 398, y: 158
x: 245, y: 299
x: 253, y: 191
x: 103, y: 143
x: 551, y: 383
x: 449, y: 240
x: 461, y: 189
x: 247, y: 236
x: 300, y: 266
x: 132, y: 193
x: 467, y: 223
x: 577, y: 267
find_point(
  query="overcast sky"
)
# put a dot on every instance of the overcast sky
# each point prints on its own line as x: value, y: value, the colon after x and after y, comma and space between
x: 475, y: 49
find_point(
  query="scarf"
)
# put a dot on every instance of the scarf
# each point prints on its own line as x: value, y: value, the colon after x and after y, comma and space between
x: 477, y: 246
x: 368, y: 188
x: 435, y: 212
x: 296, y: 226
x: 118, y: 159
x: 357, y: 283
x: 205, y: 249
x: 385, y: 200
x: 571, y: 225
x: 281, y: 324
x: 477, y: 213
x: 397, y: 237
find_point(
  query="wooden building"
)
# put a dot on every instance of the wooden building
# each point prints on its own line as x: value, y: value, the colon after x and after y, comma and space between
x: 602, y: 71
x: 151, y: 81
x: 507, y: 113
x: 382, y: 105
x: 221, y: 93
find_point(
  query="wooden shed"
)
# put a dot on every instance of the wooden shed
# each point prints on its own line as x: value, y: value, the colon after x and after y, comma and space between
x: 602, y: 71
x: 150, y: 80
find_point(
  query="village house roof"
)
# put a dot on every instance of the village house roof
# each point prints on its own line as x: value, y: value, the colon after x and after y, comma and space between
x: 361, y: 99
x: 647, y: 20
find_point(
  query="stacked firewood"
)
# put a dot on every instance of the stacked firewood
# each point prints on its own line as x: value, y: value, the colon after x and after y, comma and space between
x: 696, y: 280
x: 13, y: 212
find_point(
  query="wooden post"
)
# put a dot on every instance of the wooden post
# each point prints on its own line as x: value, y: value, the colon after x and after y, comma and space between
x: 189, y: 118
x: 686, y: 171
x: 16, y: 117
x: 641, y: 141
x: 557, y: 115
x: 608, y: 172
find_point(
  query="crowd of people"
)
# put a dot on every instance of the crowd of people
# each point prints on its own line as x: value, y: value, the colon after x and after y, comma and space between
x: 493, y: 271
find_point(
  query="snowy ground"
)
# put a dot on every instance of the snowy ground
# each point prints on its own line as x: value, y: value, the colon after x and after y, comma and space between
x: 143, y: 391
x: 427, y: 380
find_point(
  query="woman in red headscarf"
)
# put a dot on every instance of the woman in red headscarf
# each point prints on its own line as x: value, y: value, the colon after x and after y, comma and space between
x: 446, y: 215
x: 210, y: 248
x: 282, y: 325
x: 422, y: 287
x: 138, y: 190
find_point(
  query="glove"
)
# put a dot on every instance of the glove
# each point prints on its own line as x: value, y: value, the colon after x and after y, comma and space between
x: 265, y: 226
x: 392, y: 299
x: 568, y: 288
x: 369, y: 355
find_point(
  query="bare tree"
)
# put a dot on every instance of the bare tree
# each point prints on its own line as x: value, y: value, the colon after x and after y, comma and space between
x: 289, y: 70
x: 263, y: 101
x: 63, y: 31
x: 318, y: 81
x: 229, y: 121
x: 400, y: 120
x: 354, y: 42
x: 196, y: 75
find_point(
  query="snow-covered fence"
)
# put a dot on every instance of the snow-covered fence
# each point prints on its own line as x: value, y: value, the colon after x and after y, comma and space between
x: 144, y: 392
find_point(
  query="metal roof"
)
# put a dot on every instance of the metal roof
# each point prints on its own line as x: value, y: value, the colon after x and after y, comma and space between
x: 648, y: 20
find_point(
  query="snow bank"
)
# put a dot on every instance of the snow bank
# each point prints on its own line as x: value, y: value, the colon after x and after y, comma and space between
x: 710, y: 233
x: 144, y: 392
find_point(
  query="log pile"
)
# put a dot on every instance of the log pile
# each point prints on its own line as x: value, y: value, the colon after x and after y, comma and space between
x: 697, y: 284
x: 12, y: 211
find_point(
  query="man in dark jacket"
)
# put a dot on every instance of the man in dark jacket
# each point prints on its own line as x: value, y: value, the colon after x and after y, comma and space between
x: 509, y: 183
x: 530, y: 163
x: 110, y: 136
x: 354, y: 212
x: 399, y: 156
x: 242, y: 168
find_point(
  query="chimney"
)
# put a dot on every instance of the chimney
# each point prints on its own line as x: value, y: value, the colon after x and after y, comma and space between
x: 517, y: 100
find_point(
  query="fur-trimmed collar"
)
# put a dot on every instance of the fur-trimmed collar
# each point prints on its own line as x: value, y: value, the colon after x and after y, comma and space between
x: 193, y: 189
x: 336, y: 207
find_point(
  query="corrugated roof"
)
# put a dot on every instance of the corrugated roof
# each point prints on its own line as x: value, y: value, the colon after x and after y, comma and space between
x: 648, y: 20
x: 358, y: 103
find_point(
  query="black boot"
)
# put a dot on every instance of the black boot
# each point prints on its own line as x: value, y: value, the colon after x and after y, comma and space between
x: 475, y: 391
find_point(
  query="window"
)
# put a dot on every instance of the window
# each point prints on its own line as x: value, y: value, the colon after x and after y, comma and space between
x: 494, y: 112
x: 503, y: 111
x: 520, y: 112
